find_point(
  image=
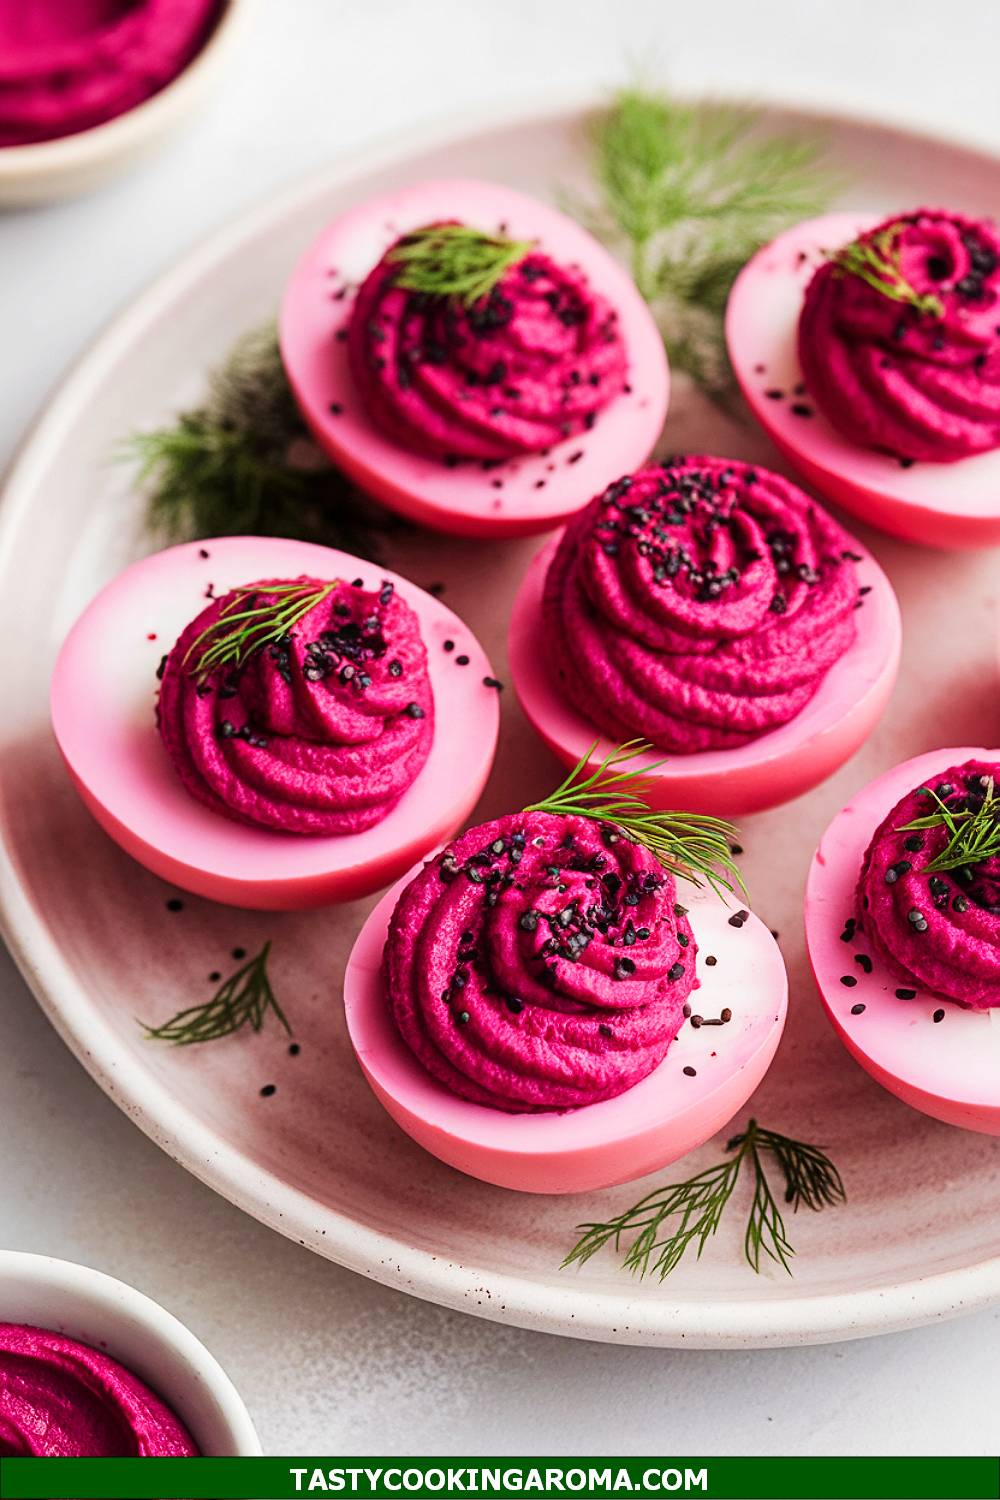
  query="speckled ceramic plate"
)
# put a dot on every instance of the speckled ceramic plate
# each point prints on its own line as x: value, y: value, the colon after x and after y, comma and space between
x: 319, y: 1159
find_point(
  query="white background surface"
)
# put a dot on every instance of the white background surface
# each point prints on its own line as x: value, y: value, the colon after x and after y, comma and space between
x: 329, y: 1362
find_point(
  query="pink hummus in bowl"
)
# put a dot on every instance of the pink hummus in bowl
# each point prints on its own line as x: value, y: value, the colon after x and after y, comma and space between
x: 69, y: 65
x: 60, y: 1398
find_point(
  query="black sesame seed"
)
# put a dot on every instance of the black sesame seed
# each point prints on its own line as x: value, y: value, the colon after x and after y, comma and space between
x: 449, y: 645
x: 413, y: 711
x: 514, y: 1005
x: 268, y: 1090
x: 690, y: 1072
x: 711, y: 961
x: 857, y: 1010
x: 605, y: 1030
x: 849, y: 979
x: 239, y: 953
x: 864, y: 961
x: 175, y: 904
x: 906, y: 994
x: 939, y: 1015
x: 294, y: 1049
x: 463, y: 661
x: 493, y: 682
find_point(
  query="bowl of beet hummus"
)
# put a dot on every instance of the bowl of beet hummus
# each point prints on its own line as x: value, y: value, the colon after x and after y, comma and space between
x: 86, y: 86
x: 92, y: 1368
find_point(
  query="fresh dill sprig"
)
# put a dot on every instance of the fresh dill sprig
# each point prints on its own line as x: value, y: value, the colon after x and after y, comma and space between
x: 243, y: 464
x: 244, y: 998
x: 452, y: 260
x: 665, y: 1223
x: 690, y: 192
x: 876, y: 259
x: 973, y: 834
x: 690, y: 845
x: 252, y: 619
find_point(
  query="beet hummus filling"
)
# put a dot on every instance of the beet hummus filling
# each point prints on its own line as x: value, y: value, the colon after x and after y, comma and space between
x: 935, y: 922
x: 67, y: 65
x: 540, y: 963
x: 317, y: 729
x: 63, y: 1399
x: 698, y: 604
x: 530, y: 362
x: 899, y: 337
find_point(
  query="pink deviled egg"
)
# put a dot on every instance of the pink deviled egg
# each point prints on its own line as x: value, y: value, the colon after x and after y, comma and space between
x: 472, y: 357
x: 543, y: 1007
x: 271, y: 723
x: 869, y: 351
x: 903, y: 931
x: 712, y: 608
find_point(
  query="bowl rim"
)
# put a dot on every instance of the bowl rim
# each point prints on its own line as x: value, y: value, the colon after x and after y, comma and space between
x: 107, y: 1295
x: 85, y: 148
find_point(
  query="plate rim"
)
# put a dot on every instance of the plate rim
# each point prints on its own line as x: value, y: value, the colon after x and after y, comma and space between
x: 565, y: 1308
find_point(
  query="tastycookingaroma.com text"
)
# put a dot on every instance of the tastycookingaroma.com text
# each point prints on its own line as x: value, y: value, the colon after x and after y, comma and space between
x: 499, y: 1480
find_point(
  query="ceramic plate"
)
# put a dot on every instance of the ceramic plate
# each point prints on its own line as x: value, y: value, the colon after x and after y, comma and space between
x: 319, y: 1160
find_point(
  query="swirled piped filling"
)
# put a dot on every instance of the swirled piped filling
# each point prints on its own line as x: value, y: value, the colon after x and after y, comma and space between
x: 531, y: 362
x: 540, y: 963
x: 899, y: 337
x: 318, y: 731
x: 929, y: 913
x: 698, y: 604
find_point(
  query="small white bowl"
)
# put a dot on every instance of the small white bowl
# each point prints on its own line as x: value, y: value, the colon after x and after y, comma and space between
x: 71, y: 164
x: 145, y: 1338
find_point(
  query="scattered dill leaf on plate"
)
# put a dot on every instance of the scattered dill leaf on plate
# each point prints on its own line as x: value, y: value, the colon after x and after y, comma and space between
x: 243, y: 464
x: 243, y: 999
x: 690, y: 192
x: 671, y: 1219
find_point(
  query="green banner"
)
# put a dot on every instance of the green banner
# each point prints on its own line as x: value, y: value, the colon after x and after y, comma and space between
x: 500, y: 1478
